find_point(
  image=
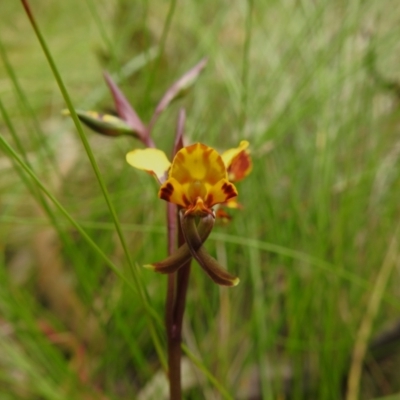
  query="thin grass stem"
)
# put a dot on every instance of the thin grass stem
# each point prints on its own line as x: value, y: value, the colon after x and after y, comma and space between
x: 199, y: 364
x: 41, y: 142
x: 246, y: 67
x: 151, y: 312
x: 140, y: 289
x: 161, y: 48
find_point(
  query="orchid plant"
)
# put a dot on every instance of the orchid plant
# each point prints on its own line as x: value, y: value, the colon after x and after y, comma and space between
x: 197, y: 185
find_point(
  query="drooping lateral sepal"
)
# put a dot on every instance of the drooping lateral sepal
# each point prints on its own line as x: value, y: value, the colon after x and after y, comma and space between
x: 182, y: 255
x: 209, y: 264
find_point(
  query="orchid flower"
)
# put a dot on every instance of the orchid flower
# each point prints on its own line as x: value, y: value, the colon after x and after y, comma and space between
x: 196, y: 181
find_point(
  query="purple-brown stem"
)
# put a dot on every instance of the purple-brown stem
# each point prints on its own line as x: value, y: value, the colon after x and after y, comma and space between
x: 176, y: 289
x: 173, y: 342
x: 181, y: 290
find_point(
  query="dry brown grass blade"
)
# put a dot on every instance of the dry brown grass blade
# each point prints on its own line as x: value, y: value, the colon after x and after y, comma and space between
x: 363, y: 335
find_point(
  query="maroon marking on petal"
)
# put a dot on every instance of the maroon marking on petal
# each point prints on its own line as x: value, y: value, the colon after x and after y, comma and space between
x: 229, y: 190
x: 185, y: 200
x: 210, y: 199
x: 240, y: 166
x: 166, y: 191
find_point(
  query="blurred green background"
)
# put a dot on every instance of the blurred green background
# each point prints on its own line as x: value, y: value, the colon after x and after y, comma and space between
x: 315, y: 87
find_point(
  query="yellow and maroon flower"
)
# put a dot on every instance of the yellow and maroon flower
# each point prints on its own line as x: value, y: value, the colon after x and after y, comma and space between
x: 198, y: 177
x: 197, y: 180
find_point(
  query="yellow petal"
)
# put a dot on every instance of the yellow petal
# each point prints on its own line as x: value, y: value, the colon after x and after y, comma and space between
x: 198, y: 163
x: 153, y: 161
x: 229, y: 155
x: 220, y: 193
x: 173, y: 192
